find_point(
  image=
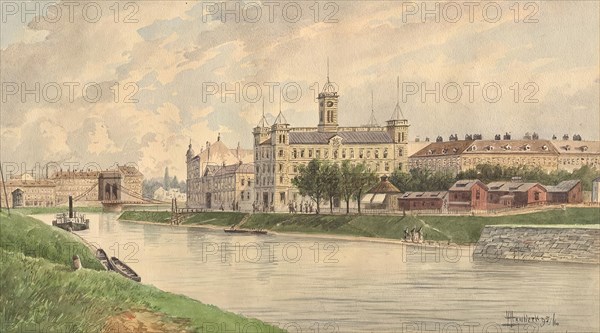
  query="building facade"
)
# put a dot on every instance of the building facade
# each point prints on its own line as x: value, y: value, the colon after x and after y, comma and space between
x: 279, y: 149
x: 467, y: 195
x: 516, y: 194
x: 219, y: 177
x: 26, y: 191
x: 566, y: 192
x: 549, y: 155
x: 437, y: 200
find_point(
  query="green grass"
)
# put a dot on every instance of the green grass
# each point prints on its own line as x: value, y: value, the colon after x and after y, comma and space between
x: 210, y: 218
x: 147, y: 216
x: 215, y: 218
x: 36, y: 239
x: 456, y: 229
x: 43, y: 293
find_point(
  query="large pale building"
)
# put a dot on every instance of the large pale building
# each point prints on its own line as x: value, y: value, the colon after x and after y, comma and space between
x: 220, y: 177
x: 279, y: 148
x: 549, y: 155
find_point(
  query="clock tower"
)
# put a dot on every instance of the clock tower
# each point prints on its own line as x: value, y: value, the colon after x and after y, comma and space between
x: 328, y: 107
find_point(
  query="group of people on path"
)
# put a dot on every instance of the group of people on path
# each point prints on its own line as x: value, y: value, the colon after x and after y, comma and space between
x: 257, y: 207
x: 305, y: 207
x: 414, y: 235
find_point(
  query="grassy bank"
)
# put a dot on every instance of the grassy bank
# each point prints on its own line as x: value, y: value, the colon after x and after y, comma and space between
x: 211, y: 218
x: 456, y: 229
x: 41, y: 292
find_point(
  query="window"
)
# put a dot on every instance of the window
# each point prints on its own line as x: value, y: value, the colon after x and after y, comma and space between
x: 477, y: 194
x: 249, y: 184
x: 280, y: 167
x: 360, y: 153
x: 294, y: 153
x: 385, y: 153
x: 282, y: 197
x: 376, y: 153
x: 351, y: 153
x: 387, y: 166
x: 280, y: 152
x: 318, y: 153
x: 243, y: 181
x: 400, y: 151
x: 536, y: 196
x: 242, y: 195
x: 326, y: 153
x: 302, y: 153
x: 310, y: 153
x: 343, y: 153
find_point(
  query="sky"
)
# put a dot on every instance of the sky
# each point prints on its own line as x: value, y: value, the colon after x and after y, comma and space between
x: 133, y: 83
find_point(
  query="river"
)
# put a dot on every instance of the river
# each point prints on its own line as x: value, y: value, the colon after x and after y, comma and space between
x: 311, y: 284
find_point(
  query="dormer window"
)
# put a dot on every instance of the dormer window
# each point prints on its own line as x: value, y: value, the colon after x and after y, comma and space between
x: 490, y: 147
x: 429, y: 152
x: 454, y: 150
x: 507, y: 147
x: 444, y: 151
x: 567, y: 147
x: 527, y: 147
x: 544, y: 147
x: 584, y: 148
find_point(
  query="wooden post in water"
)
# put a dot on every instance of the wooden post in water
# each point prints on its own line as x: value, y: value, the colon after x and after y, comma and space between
x: 4, y: 188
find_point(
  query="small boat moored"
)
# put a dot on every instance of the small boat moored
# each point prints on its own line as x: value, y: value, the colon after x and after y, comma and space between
x: 122, y: 268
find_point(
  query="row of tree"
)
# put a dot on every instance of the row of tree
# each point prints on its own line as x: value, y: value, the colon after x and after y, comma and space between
x: 151, y: 185
x: 323, y: 180
x: 425, y: 180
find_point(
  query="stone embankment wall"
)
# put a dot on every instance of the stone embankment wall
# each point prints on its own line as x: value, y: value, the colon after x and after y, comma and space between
x: 562, y: 244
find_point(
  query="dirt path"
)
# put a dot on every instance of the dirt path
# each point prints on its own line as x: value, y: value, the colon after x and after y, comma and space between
x: 144, y: 321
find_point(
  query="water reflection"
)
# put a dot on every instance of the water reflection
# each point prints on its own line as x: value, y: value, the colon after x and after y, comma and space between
x: 356, y: 286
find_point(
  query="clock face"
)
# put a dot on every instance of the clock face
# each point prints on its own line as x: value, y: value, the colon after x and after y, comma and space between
x: 329, y: 104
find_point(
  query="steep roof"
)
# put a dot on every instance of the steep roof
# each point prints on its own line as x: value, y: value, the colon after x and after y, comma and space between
x: 424, y: 195
x: 235, y: 168
x: 511, y: 147
x: 444, y: 148
x: 384, y: 186
x: 564, y: 186
x: 347, y: 137
x: 511, y: 186
x: 576, y: 147
x: 466, y: 185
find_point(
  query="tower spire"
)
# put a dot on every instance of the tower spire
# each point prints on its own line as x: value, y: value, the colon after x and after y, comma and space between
x: 263, y: 121
x: 398, y: 114
x: 372, y: 120
x: 327, y: 69
x: 280, y: 117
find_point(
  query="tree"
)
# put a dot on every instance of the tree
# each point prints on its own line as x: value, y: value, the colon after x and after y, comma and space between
x: 347, y: 186
x: 310, y: 180
x: 174, y: 183
x: 167, y: 179
x: 331, y: 182
x: 364, y: 179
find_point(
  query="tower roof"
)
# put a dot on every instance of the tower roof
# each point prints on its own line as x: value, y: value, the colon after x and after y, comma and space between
x: 398, y: 114
x: 329, y: 88
x: 280, y: 120
x: 263, y: 120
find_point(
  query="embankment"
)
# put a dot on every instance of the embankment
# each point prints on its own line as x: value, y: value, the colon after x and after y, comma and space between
x: 579, y: 244
x: 42, y: 293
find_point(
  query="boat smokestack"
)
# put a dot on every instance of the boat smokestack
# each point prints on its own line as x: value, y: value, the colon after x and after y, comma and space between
x: 70, y: 207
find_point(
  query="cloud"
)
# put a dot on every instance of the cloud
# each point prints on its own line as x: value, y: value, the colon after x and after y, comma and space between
x: 171, y: 53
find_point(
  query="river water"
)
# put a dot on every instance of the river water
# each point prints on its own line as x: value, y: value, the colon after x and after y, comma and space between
x: 310, y: 284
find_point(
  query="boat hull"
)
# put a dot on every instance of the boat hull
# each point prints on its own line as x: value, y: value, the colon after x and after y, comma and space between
x: 122, y: 268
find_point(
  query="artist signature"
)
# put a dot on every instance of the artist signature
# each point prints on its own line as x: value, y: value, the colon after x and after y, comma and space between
x: 514, y: 319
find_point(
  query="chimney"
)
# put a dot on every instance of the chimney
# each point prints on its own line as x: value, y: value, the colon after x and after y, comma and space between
x: 70, y: 207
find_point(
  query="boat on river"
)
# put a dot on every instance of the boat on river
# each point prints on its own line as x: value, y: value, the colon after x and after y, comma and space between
x: 73, y: 221
x: 103, y: 257
x: 245, y: 231
x: 123, y: 269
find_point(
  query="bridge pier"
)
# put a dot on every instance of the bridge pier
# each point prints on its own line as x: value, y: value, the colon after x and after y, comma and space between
x: 112, y: 207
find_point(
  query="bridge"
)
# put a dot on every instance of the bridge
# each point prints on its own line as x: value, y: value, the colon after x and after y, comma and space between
x: 110, y: 197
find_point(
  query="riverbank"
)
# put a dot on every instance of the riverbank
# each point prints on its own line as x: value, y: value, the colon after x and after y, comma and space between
x: 41, y: 292
x: 440, y: 229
